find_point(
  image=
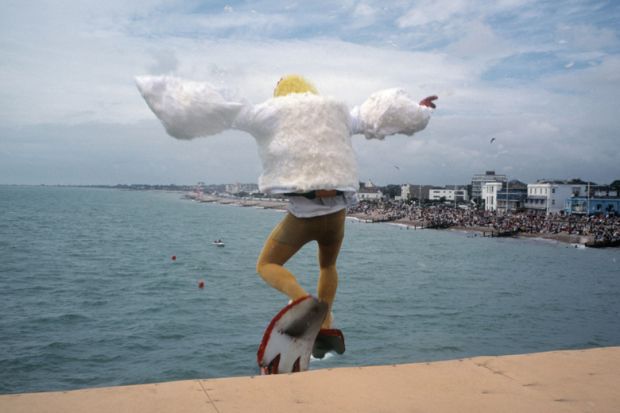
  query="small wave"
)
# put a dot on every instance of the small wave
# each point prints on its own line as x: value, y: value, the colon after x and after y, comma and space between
x: 356, y: 219
x: 70, y: 318
x: 94, y: 303
x: 542, y: 240
x: 182, y: 373
x: 399, y: 225
x: 441, y: 349
x: 97, y: 359
x: 58, y: 345
x: 170, y: 336
x: 138, y: 343
x: 327, y: 357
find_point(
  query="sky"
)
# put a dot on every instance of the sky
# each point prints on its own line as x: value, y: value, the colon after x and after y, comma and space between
x: 541, y: 77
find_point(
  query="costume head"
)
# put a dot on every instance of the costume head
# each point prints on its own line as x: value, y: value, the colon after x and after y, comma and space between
x: 293, y: 84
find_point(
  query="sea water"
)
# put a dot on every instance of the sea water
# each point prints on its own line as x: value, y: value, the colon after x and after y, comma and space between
x: 90, y: 295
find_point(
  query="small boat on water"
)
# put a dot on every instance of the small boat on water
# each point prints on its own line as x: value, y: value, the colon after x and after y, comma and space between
x: 218, y: 243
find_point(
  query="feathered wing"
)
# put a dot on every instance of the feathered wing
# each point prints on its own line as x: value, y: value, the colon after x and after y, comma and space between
x: 389, y: 112
x: 188, y: 109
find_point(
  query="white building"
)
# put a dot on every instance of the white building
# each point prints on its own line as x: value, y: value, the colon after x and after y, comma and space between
x: 420, y: 192
x: 436, y: 194
x: 370, y: 194
x: 550, y: 196
x: 406, y: 191
x: 600, y: 192
x: 489, y: 195
x: 478, y: 180
x: 237, y: 188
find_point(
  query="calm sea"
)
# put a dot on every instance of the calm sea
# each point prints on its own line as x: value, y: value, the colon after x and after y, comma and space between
x: 89, y: 294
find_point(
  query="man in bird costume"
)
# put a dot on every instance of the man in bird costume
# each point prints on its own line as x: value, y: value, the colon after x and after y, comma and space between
x: 304, y: 144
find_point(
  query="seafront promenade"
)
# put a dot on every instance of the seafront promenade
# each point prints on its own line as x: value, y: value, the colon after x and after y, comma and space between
x: 559, y: 381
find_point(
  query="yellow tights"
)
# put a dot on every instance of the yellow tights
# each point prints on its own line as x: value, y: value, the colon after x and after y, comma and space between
x: 287, y: 238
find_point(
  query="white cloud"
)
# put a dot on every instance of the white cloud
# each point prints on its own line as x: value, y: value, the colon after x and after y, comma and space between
x: 428, y: 11
x: 72, y: 66
x: 582, y: 37
x: 480, y: 42
x: 363, y: 10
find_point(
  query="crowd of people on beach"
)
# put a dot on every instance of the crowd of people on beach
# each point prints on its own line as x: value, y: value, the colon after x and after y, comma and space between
x: 600, y: 229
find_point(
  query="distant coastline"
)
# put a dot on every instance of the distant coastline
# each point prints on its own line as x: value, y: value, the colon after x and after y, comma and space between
x: 389, y: 214
x: 378, y: 216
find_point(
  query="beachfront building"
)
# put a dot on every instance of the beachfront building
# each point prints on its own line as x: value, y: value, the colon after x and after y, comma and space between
x: 507, y: 197
x: 488, y: 194
x: 238, y: 188
x: 448, y: 194
x: 583, y: 205
x: 412, y: 191
x: 420, y: 192
x: 197, y: 192
x: 601, y: 200
x: 406, y: 192
x: 603, y: 191
x: 478, y: 180
x: 547, y: 197
x: 370, y: 194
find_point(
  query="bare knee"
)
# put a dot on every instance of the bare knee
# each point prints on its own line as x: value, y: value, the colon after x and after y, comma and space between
x: 330, y: 269
x: 261, y: 267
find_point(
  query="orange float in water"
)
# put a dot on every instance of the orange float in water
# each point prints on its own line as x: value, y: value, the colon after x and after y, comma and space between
x: 201, y: 284
x: 174, y: 258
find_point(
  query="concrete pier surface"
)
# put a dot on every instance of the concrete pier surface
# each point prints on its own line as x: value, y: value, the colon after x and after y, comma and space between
x: 558, y: 381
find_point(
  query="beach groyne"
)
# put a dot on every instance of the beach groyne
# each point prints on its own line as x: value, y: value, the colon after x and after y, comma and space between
x: 557, y: 381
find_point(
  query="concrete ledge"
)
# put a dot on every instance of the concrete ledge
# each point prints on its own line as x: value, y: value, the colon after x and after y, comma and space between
x: 560, y: 381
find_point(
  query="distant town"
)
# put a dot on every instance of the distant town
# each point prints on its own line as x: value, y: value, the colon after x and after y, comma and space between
x: 488, y: 192
x: 572, y: 211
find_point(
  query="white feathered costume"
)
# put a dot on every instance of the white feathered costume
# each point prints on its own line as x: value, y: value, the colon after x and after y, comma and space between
x: 304, y: 140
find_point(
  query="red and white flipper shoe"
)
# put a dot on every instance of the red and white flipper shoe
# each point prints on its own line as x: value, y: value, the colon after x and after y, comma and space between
x: 289, y: 338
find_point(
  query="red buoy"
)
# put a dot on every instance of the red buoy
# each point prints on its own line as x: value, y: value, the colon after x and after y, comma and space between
x: 201, y: 284
x: 174, y: 258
